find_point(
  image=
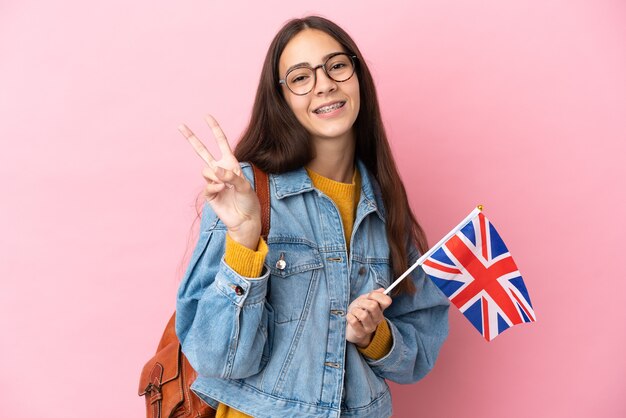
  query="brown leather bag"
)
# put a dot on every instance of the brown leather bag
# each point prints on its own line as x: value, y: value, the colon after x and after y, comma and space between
x: 166, y: 379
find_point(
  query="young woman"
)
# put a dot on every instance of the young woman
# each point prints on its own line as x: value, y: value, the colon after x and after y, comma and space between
x: 298, y: 326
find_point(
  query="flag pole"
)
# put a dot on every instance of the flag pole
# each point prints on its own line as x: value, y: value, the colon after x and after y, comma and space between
x: 428, y: 253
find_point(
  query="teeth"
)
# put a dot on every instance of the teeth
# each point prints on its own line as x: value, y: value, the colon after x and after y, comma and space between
x: 330, y: 108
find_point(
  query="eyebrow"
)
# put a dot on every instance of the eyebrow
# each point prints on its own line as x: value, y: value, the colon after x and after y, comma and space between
x: 306, y: 64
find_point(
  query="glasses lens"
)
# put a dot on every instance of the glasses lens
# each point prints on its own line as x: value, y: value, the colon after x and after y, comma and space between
x: 300, y: 80
x: 339, y: 67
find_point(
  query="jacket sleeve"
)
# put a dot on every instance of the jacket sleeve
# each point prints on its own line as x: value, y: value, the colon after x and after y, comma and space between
x: 222, y: 318
x: 419, y: 326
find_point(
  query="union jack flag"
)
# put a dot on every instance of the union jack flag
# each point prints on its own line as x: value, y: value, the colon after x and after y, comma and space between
x: 476, y: 272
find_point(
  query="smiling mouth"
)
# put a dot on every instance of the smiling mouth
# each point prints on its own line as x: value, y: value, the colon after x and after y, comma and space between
x: 329, y: 108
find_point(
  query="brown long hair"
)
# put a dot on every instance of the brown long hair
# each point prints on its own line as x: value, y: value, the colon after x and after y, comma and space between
x: 276, y: 142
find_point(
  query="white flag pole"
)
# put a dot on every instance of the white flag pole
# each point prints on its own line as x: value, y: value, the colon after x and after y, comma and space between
x: 435, y: 248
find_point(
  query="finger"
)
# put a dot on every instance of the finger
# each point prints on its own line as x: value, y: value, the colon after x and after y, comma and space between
x: 372, y: 307
x: 230, y: 178
x: 212, y: 190
x: 220, y: 138
x: 197, y: 145
x: 369, y: 305
x: 383, y: 300
x: 209, y: 175
x: 365, y: 319
x: 356, y: 325
x: 373, y: 310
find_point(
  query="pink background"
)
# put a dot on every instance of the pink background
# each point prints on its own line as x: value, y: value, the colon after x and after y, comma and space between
x: 518, y: 105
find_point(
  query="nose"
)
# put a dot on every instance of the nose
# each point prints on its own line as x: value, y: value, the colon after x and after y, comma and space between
x: 323, y: 83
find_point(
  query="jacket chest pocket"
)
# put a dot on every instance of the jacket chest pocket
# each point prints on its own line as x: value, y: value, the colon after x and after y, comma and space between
x: 382, y: 274
x: 295, y: 268
x: 369, y: 275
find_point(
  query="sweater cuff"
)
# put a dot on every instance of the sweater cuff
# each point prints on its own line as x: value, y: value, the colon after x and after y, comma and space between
x: 381, y: 343
x: 245, y: 262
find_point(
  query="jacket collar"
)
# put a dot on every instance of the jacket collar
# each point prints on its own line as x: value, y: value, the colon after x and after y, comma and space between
x: 298, y: 181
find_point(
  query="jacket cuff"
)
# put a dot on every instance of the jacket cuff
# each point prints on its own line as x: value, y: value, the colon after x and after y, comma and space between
x: 381, y: 343
x: 241, y: 290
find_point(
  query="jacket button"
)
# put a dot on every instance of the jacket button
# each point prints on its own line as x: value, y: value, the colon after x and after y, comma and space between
x: 239, y: 290
x: 281, y: 263
x: 362, y: 271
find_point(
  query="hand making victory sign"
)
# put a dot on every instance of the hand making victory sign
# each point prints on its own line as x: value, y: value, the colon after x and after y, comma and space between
x: 229, y: 193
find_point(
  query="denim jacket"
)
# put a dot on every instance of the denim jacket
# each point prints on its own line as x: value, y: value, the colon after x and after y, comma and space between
x: 275, y: 346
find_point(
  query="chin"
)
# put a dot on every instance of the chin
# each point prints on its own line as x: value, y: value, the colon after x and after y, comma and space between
x: 337, y: 130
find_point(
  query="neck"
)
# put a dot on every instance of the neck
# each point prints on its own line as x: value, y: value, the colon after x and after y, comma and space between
x: 334, y: 159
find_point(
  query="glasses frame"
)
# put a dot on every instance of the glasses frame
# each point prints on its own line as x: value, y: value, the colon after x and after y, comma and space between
x: 352, y: 57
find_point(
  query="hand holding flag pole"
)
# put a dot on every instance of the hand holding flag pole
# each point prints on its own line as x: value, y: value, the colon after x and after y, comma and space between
x: 474, y: 269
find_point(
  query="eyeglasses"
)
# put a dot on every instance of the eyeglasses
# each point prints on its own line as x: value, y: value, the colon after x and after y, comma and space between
x: 301, y: 80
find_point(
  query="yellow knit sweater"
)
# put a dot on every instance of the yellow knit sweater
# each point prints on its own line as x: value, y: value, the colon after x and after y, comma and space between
x: 249, y: 263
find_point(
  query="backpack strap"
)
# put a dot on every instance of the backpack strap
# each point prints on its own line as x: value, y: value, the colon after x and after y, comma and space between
x: 262, y: 187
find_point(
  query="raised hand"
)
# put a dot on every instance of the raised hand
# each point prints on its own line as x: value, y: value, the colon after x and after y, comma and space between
x: 230, y: 195
x: 364, y: 315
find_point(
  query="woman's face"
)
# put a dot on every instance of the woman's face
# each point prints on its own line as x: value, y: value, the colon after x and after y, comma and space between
x: 330, y: 109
